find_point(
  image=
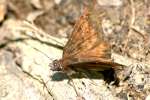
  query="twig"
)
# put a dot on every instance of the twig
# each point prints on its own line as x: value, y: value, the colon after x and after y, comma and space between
x: 131, y: 23
x: 39, y: 80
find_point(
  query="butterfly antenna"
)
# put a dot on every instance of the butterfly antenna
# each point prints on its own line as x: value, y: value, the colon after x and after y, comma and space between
x: 40, y: 52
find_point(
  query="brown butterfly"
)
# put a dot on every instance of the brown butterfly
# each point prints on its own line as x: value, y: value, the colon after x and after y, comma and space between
x: 85, y: 49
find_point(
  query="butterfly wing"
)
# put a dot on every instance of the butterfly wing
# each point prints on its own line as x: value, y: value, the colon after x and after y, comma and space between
x: 86, y: 46
x: 82, y: 38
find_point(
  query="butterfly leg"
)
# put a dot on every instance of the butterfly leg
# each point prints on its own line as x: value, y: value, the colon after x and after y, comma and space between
x: 79, y: 97
x: 73, y: 85
x: 87, y: 74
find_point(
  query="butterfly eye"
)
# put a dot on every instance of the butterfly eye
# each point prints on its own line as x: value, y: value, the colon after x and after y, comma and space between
x: 56, y: 66
x: 55, y: 62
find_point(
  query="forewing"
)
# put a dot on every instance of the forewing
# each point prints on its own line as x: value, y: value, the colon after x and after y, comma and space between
x: 83, y: 38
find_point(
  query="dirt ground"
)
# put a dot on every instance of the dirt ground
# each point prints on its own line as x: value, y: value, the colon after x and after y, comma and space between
x: 34, y: 32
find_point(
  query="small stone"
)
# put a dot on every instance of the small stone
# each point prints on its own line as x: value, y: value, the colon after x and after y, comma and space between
x: 57, y: 2
x: 110, y: 2
x: 148, y: 97
x: 2, y: 10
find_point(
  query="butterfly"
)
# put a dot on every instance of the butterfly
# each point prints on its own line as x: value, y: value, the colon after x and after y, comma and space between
x: 85, y: 49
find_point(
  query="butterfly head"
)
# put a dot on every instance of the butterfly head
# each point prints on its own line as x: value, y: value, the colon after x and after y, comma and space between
x: 56, y: 65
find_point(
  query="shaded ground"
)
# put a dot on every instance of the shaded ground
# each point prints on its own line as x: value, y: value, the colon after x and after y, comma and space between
x: 26, y: 49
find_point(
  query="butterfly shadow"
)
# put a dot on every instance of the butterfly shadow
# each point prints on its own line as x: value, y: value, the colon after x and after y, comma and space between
x: 108, y: 75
